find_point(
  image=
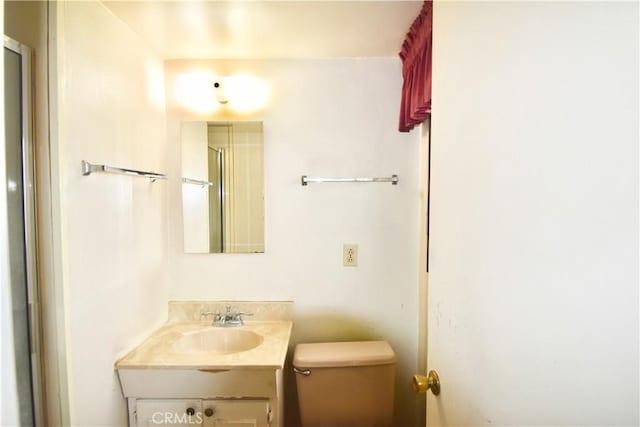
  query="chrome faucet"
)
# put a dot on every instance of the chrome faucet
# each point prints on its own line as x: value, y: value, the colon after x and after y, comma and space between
x: 229, y: 319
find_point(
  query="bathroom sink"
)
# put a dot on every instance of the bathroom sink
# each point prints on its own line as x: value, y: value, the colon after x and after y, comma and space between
x: 217, y: 341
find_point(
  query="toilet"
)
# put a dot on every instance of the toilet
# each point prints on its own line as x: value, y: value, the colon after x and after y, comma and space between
x: 345, y: 384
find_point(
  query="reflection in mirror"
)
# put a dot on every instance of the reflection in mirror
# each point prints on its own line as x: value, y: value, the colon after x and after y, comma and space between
x: 222, y: 187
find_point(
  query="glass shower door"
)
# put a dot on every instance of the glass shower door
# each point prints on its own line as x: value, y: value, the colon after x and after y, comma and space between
x: 21, y: 221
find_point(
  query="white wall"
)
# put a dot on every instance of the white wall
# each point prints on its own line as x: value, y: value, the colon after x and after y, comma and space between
x: 333, y: 117
x: 111, y: 240
x: 534, y: 213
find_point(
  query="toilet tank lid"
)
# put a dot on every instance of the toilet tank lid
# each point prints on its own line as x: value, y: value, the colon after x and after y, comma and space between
x: 342, y: 354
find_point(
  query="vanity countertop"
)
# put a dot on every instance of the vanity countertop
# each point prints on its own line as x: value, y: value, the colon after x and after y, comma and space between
x: 157, y: 352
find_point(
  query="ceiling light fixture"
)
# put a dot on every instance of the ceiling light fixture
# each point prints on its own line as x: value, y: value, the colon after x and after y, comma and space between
x: 204, y: 92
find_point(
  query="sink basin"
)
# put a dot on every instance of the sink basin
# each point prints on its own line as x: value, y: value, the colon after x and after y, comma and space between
x: 217, y: 341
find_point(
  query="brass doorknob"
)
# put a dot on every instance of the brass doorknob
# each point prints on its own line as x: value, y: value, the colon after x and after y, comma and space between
x: 423, y: 383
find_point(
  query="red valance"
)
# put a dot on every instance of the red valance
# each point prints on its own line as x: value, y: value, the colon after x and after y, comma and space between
x: 416, y: 70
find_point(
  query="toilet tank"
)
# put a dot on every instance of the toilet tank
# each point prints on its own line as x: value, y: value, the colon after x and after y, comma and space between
x: 345, y: 384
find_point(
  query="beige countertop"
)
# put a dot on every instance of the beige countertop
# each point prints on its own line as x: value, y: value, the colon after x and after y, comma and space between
x: 157, y: 352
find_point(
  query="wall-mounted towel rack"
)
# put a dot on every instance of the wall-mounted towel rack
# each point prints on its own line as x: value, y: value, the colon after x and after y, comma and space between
x: 393, y: 179
x: 196, y: 182
x: 88, y: 169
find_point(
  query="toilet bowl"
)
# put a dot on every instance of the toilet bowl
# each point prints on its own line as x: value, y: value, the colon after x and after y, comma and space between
x: 345, y: 384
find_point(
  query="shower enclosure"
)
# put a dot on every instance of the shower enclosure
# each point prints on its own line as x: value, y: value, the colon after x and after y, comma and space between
x: 20, y: 195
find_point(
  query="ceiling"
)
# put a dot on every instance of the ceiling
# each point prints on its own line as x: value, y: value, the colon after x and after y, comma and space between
x: 269, y: 29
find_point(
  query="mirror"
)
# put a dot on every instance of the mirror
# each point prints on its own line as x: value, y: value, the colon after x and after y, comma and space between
x: 222, y: 187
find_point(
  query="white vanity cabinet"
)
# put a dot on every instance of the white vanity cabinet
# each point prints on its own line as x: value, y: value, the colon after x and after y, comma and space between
x: 204, y: 413
x: 203, y: 397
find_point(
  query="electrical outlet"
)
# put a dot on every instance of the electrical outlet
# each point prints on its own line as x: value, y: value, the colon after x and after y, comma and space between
x: 350, y: 255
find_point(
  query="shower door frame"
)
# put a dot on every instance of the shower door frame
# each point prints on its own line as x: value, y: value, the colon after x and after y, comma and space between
x: 30, y: 226
x: 220, y: 196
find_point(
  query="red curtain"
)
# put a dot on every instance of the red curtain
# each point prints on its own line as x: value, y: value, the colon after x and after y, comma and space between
x: 416, y: 70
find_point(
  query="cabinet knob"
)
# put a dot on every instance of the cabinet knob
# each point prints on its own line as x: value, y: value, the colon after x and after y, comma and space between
x: 191, y: 411
x: 208, y: 412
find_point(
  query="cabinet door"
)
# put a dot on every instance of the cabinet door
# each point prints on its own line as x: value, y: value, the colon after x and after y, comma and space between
x: 168, y: 412
x: 236, y: 413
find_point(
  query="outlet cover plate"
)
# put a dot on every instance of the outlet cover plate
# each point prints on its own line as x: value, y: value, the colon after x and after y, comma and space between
x: 350, y: 255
